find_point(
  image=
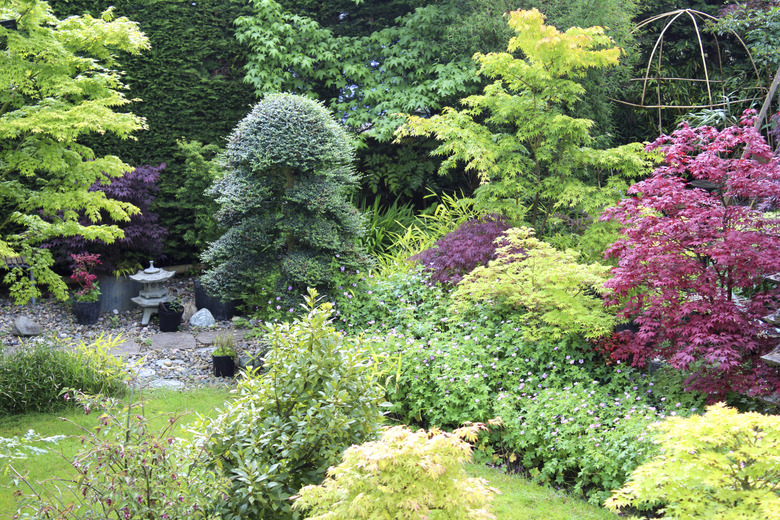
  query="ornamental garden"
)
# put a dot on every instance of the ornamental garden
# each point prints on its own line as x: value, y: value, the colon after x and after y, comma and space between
x: 471, y: 243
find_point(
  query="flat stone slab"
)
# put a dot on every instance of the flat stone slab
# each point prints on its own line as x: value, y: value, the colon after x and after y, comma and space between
x: 126, y: 348
x: 207, y: 337
x: 169, y: 340
x: 172, y: 384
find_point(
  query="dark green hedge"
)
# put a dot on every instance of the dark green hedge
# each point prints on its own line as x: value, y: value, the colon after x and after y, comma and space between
x: 191, y: 86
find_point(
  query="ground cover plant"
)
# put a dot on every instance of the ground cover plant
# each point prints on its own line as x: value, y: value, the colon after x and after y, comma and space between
x: 698, y: 243
x: 573, y: 418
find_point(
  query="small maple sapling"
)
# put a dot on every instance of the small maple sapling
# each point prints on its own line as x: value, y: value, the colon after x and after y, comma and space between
x: 693, y: 262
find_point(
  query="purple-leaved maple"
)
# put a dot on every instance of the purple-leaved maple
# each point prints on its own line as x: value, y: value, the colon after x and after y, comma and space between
x: 144, y: 236
x: 697, y: 245
x: 457, y: 253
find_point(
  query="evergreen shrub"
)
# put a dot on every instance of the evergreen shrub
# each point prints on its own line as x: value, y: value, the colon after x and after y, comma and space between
x: 284, y: 201
x: 318, y: 394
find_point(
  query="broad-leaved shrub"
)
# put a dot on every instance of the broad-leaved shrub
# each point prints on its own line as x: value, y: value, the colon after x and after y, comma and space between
x: 722, y: 465
x: 405, y: 474
x: 124, y: 469
x: 318, y: 394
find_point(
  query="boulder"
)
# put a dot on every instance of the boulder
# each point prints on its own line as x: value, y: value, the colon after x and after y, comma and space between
x: 189, y: 311
x: 202, y: 318
x: 25, y: 327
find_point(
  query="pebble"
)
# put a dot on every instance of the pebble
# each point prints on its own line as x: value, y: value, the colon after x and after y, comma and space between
x: 169, y: 367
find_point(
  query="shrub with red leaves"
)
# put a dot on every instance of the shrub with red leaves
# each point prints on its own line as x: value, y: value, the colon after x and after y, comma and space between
x: 143, y: 235
x: 459, y: 252
x: 693, y: 262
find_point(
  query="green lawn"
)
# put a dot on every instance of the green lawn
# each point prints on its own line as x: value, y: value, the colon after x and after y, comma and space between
x: 203, y: 401
x: 519, y: 498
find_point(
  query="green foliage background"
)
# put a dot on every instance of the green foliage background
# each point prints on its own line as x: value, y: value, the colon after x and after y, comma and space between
x: 190, y: 84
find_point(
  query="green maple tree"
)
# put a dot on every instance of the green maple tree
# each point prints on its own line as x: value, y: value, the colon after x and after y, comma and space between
x: 59, y: 84
x: 533, y: 159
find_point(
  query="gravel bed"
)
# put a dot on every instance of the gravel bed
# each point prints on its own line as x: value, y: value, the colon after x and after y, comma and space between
x: 173, y: 367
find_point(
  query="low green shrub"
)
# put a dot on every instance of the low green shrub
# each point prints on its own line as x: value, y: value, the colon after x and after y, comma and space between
x: 722, y: 465
x: 405, y: 474
x: 124, y: 470
x: 400, y: 300
x: 318, y: 394
x: 32, y: 376
x: 580, y: 436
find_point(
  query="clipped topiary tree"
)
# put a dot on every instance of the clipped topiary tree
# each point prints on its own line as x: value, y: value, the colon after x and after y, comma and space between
x: 284, y: 201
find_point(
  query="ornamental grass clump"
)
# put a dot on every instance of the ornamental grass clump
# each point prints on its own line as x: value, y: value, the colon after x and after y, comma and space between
x: 318, y: 395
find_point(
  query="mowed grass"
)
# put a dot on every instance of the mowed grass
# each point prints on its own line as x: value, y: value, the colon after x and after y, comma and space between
x: 70, y: 422
x: 519, y: 499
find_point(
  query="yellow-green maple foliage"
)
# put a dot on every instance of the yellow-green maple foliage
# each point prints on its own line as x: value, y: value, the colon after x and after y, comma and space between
x: 723, y: 465
x: 411, y: 475
x: 534, y: 161
x: 58, y: 85
x: 557, y: 295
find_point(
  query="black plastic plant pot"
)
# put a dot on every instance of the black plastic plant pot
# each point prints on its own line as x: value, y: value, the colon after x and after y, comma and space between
x: 87, y: 313
x: 220, y: 310
x: 169, y: 320
x: 224, y: 366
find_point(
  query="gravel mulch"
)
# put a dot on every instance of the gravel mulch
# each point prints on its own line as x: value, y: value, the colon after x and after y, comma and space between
x: 188, y: 366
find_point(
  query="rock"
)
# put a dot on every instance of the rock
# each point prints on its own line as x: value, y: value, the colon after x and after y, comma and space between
x: 202, y: 318
x: 24, y: 326
x: 189, y: 311
x: 126, y: 348
x: 250, y: 362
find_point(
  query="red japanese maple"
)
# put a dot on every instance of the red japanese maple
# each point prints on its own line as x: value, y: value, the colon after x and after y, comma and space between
x: 696, y: 249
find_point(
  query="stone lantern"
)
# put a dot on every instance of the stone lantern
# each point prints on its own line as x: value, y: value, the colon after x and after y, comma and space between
x: 152, y: 292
